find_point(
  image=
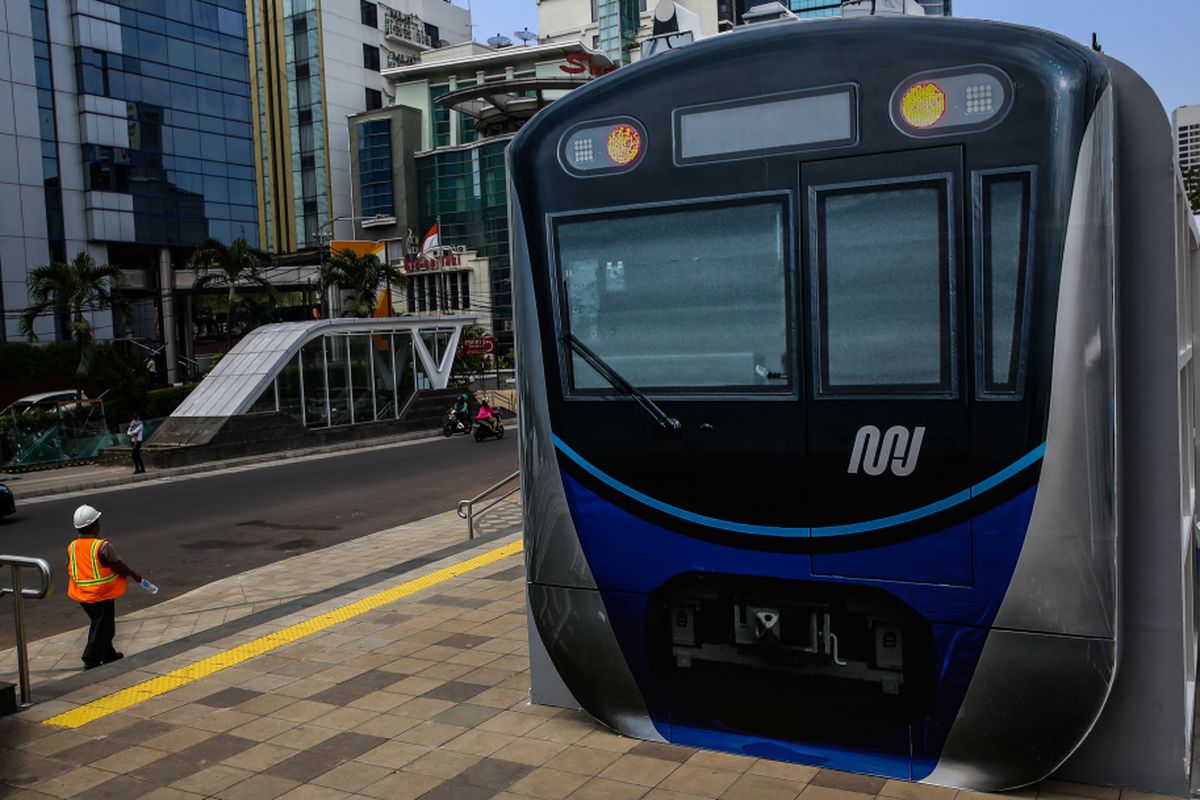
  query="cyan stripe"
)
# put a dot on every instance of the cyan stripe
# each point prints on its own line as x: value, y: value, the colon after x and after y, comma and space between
x: 827, y: 531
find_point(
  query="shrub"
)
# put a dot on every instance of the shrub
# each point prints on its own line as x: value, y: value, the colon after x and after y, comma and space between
x: 161, y: 402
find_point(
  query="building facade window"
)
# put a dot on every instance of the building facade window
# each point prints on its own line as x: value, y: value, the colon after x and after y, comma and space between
x: 48, y: 128
x: 369, y: 13
x: 370, y: 57
x: 375, y: 168
x: 440, y: 115
x: 374, y: 99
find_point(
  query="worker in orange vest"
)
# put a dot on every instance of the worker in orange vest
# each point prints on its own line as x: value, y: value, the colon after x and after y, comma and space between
x: 97, y: 578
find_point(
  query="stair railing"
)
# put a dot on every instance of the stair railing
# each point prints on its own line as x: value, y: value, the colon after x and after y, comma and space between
x: 466, y: 508
x: 20, y: 594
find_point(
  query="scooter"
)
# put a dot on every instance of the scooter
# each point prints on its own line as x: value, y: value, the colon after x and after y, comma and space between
x: 455, y: 424
x: 484, y: 431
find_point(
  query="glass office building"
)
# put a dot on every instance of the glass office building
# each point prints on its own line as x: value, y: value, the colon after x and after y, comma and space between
x: 466, y: 188
x: 182, y: 73
x: 126, y: 134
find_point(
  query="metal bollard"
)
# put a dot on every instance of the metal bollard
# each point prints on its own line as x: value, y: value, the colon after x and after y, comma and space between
x: 19, y: 594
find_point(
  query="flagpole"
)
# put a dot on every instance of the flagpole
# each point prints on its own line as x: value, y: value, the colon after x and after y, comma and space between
x: 437, y: 281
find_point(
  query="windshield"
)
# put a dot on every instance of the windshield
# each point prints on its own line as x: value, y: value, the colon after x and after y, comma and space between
x: 690, y: 297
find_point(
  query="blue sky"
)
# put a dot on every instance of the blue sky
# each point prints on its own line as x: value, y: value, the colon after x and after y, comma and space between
x: 1158, y: 38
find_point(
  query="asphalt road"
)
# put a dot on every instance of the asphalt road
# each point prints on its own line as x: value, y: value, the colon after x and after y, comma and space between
x: 191, y: 531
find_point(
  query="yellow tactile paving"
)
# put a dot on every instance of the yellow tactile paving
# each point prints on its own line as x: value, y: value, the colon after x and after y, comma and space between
x: 146, y: 690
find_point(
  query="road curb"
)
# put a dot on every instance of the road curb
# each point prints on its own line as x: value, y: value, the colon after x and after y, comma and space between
x: 213, y: 466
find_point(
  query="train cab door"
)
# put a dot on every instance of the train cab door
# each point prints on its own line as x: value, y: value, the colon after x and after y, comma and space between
x: 884, y: 294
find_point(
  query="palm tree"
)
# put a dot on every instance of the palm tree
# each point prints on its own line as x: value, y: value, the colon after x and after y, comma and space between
x: 238, y: 264
x: 74, y: 288
x: 362, y: 275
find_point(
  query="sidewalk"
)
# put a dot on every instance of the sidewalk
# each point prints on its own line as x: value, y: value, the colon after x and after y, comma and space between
x: 64, y: 480
x: 327, y: 676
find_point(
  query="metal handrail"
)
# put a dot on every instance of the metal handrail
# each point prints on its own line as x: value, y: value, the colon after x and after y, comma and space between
x: 466, y: 508
x: 19, y: 594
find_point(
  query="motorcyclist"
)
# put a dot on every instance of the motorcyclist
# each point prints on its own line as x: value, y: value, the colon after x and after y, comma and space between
x: 462, y: 410
x: 486, y: 416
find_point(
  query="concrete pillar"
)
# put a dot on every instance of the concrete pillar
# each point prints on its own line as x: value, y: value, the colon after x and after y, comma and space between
x: 166, y: 284
x: 189, y: 340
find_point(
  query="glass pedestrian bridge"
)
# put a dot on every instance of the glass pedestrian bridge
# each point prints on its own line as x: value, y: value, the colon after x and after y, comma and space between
x: 330, y: 373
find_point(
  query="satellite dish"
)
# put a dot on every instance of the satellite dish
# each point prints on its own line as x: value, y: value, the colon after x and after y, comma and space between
x: 499, y: 41
x: 526, y: 36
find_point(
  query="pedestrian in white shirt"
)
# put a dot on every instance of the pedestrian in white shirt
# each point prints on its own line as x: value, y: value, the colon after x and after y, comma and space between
x: 135, y: 443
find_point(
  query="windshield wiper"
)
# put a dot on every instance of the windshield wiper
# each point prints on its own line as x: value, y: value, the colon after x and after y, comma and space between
x: 667, y: 425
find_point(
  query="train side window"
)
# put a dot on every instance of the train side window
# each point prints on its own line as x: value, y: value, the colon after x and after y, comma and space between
x: 883, y: 293
x: 1002, y: 247
x: 679, y: 298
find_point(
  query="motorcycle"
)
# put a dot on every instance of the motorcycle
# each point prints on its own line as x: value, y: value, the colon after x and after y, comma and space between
x: 484, y: 431
x: 455, y: 424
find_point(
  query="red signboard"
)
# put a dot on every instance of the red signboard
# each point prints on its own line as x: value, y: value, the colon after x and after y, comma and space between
x: 431, y: 263
x: 477, y: 346
x: 579, y: 63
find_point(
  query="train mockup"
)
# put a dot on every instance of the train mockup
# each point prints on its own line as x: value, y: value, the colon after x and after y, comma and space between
x: 819, y: 367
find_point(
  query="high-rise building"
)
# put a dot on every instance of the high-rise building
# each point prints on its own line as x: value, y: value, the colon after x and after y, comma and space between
x: 1185, y: 123
x: 436, y: 156
x: 617, y: 26
x: 314, y: 65
x: 833, y: 8
x: 125, y: 132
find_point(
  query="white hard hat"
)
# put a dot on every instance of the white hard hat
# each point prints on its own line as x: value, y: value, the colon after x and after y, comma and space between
x: 84, y: 516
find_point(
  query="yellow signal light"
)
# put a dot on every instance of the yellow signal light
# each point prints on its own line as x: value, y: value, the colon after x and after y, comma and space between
x: 923, y: 105
x: 624, y: 144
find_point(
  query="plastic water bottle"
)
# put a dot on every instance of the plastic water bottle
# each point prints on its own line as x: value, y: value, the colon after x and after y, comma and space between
x: 149, y: 587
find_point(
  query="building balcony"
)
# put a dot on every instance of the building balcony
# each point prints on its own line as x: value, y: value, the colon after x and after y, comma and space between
x: 407, y: 28
x: 395, y: 59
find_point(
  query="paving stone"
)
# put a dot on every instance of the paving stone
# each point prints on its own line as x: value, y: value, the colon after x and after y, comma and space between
x: 303, y: 767
x: 661, y: 750
x: 455, y: 691
x: 454, y: 790
x: 757, y: 787
x: 464, y: 640
x: 848, y: 781
x: 549, y: 784
x: 347, y: 745
x: 91, y: 751
x: 401, y: 786
x: 639, y: 769
x: 466, y: 715
x: 257, y: 787
x: 166, y: 770
x: 228, y: 698
x: 605, y: 789
x: 217, y: 748
x: 702, y: 781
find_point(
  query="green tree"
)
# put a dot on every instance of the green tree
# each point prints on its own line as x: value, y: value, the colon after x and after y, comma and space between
x: 362, y: 276
x: 229, y: 267
x: 1191, y: 184
x: 74, y: 288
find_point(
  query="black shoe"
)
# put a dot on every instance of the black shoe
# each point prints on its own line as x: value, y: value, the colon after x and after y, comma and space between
x: 90, y: 664
x: 114, y: 657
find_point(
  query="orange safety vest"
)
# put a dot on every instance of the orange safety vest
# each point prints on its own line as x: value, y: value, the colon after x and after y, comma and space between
x: 90, y: 581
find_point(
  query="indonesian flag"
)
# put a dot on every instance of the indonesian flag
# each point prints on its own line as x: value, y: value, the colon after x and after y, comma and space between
x: 431, y: 239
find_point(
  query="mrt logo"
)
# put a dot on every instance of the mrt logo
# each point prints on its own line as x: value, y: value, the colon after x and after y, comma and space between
x: 875, y: 453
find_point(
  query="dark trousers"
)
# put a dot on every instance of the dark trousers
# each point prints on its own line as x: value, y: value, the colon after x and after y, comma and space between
x: 100, y: 634
x: 138, y: 466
